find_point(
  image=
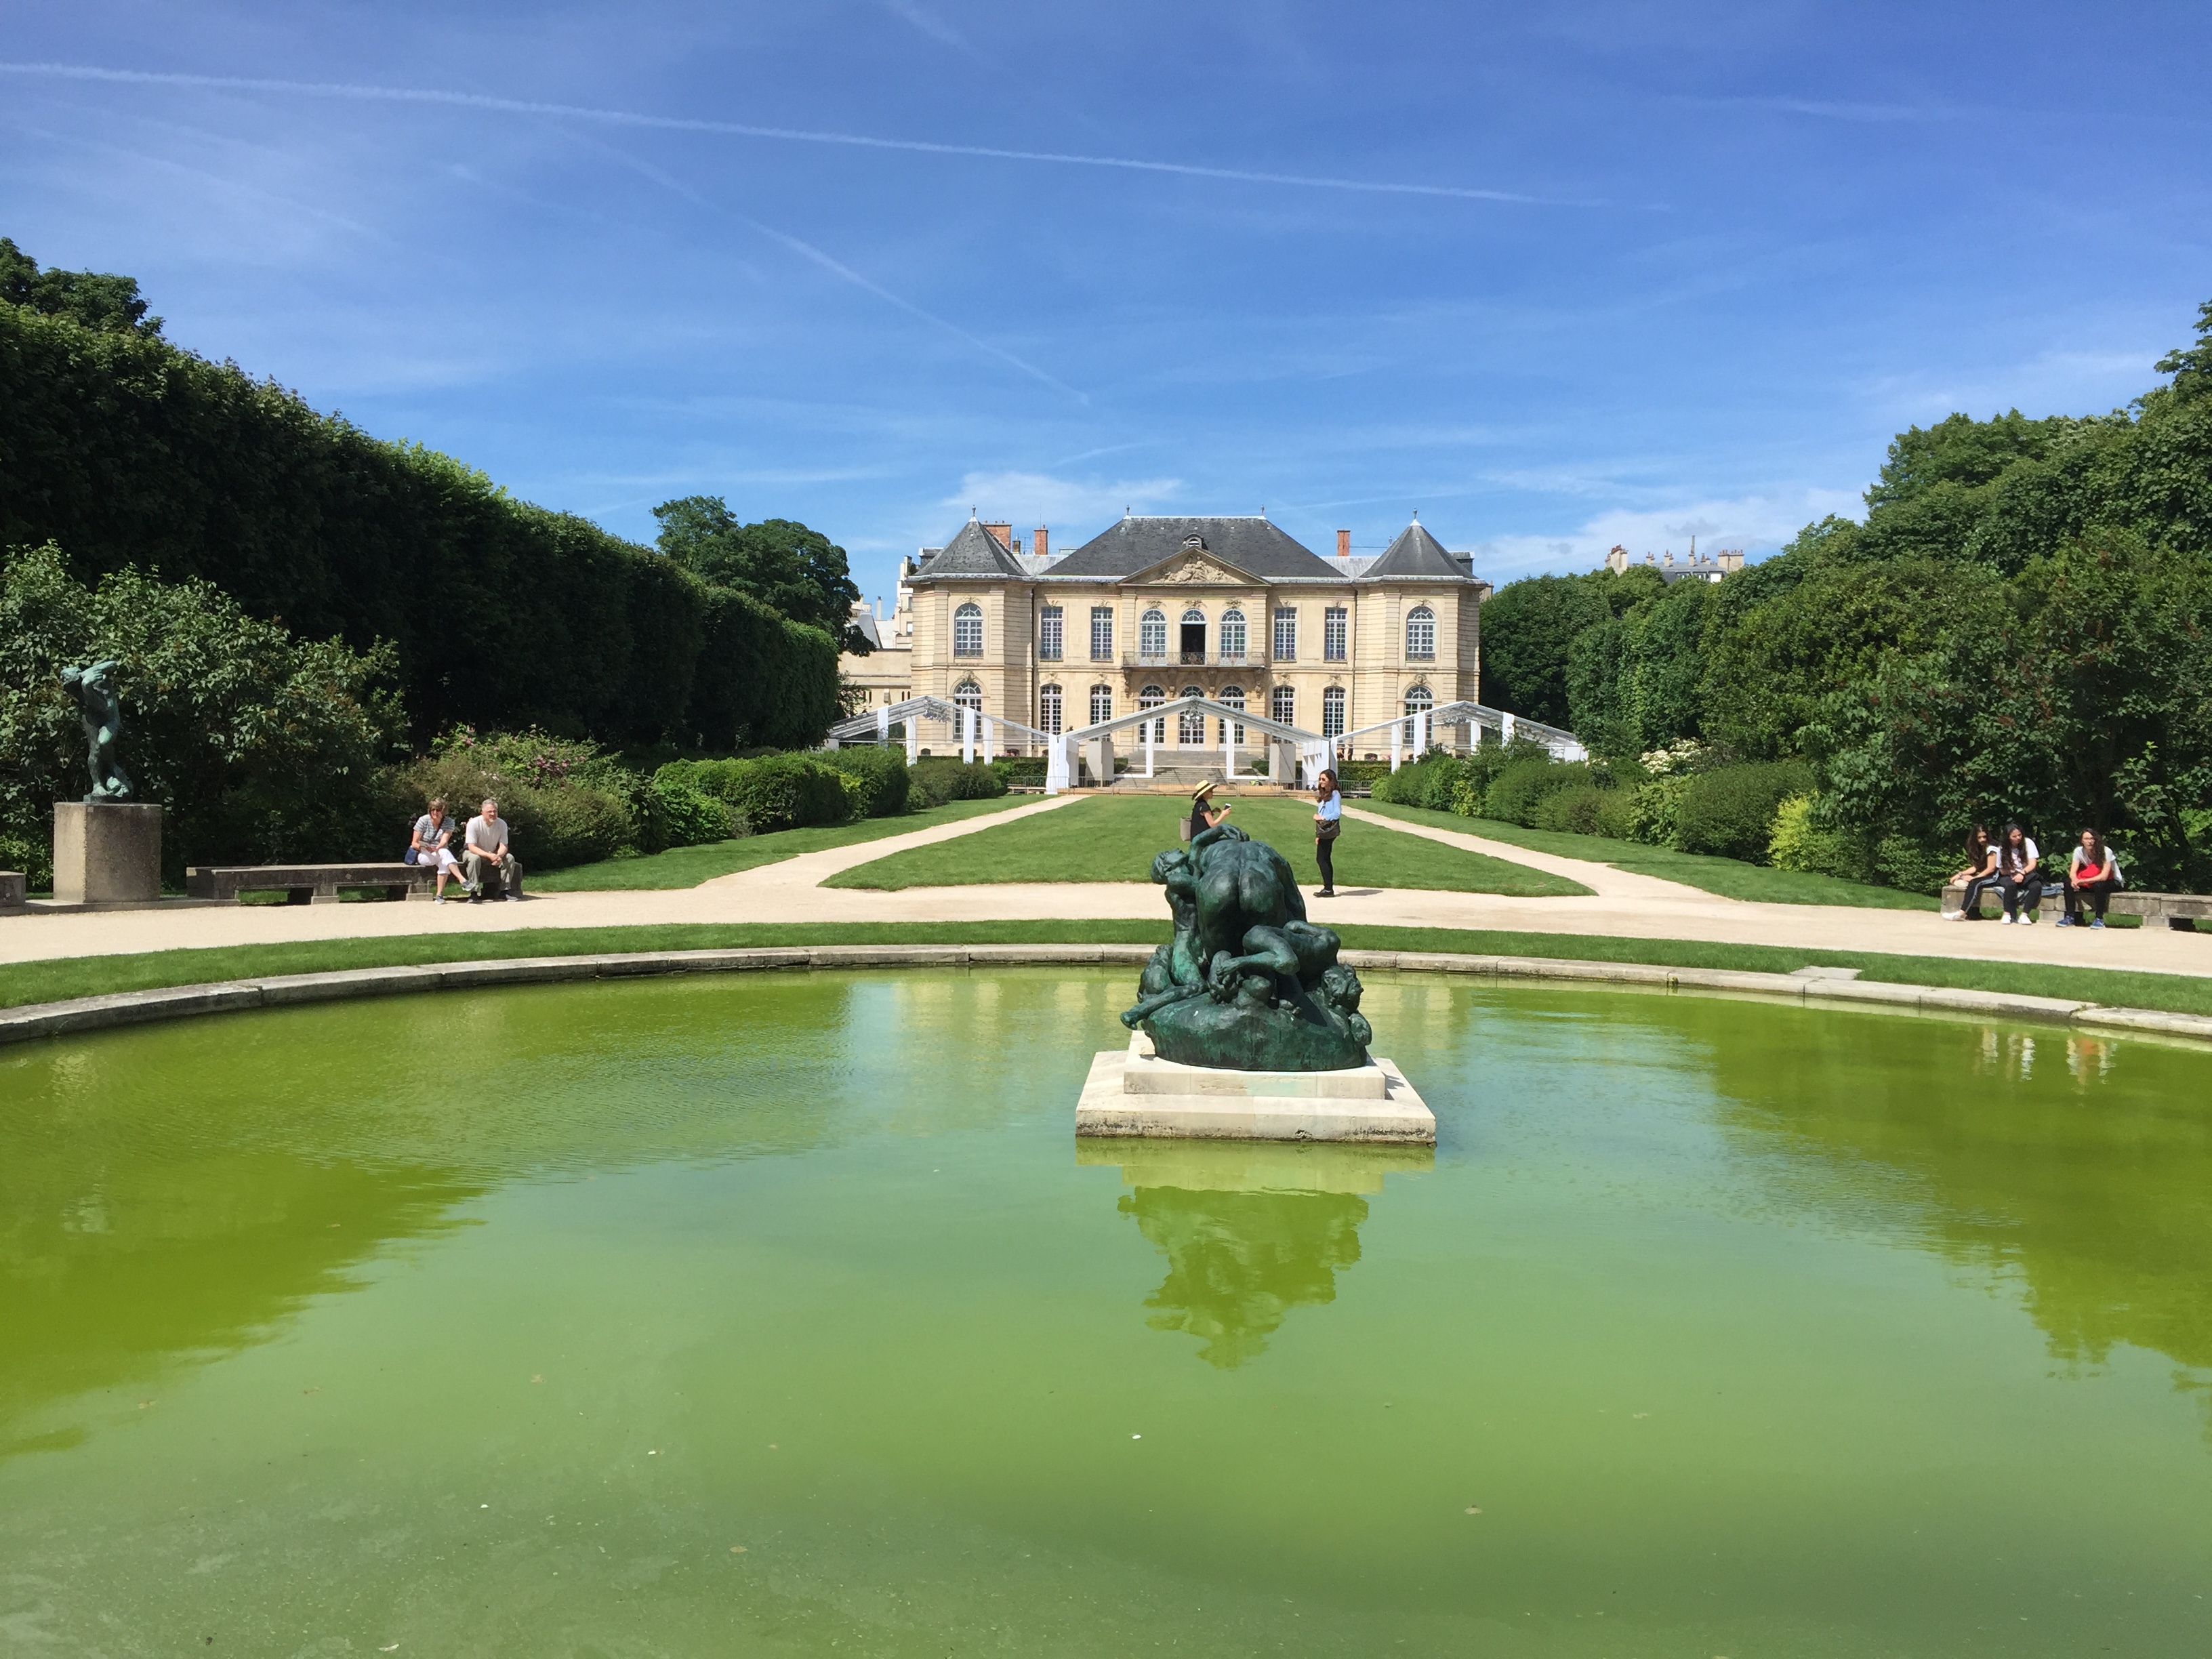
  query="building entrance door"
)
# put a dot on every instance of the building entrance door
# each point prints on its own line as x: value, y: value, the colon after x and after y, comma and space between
x: 1194, y: 641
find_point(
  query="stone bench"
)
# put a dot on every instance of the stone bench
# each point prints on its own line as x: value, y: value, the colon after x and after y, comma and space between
x: 307, y: 883
x: 2180, y: 911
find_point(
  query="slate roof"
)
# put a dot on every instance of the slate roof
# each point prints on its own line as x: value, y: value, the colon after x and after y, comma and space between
x: 1417, y: 554
x: 1252, y: 544
x: 973, y: 552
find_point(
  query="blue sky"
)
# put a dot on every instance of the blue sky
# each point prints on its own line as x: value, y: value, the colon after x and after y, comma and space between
x: 1555, y: 277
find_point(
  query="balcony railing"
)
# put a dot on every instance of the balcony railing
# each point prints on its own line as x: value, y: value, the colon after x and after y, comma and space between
x: 1195, y: 659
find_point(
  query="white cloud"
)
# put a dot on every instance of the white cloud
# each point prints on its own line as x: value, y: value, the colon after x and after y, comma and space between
x: 1756, y: 524
x: 1085, y: 506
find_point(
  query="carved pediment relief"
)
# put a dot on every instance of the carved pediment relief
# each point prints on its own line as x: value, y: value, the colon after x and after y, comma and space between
x: 1192, y: 570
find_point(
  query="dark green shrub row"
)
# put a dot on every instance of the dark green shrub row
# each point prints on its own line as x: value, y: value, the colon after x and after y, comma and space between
x: 882, y: 771
x: 938, y: 778
x: 775, y: 791
x: 125, y: 450
x: 1730, y: 811
x: 1028, y: 770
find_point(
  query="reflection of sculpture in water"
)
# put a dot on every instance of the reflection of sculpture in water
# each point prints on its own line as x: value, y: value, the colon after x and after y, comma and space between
x: 102, y: 709
x: 1238, y: 1262
x: 1247, y: 983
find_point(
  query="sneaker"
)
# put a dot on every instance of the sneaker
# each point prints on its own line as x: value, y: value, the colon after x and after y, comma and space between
x: 437, y: 898
x: 2096, y: 922
x: 2064, y: 922
x: 1326, y: 892
x: 2027, y: 921
x: 506, y: 899
x: 2007, y: 920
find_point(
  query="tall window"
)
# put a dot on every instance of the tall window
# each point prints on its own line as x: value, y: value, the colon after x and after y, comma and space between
x: 1194, y: 635
x: 1190, y: 724
x: 1421, y: 633
x: 1048, y: 632
x: 1102, y: 633
x: 968, y: 630
x: 1419, y: 700
x: 1152, y: 698
x: 1282, y: 704
x: 1102, y: 704
x: 1232, y: 635
x: 1048, y: 709
x: 1286, y: 635
x: 1336, y: 629
x: 1332, y: 712
x: 1152, y: 633
x: 967, y: 695
x: 1234, y: 696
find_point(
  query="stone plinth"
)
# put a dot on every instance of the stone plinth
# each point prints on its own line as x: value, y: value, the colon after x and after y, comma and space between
x: 1133, y: 1092
x: 13, y: 889
x: 106, y: 852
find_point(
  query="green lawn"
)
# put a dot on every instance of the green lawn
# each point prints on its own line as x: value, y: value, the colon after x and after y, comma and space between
x: 1729, y: 878
x: 687, y: 867
x: 1115, y: 837
x: 54, y: 979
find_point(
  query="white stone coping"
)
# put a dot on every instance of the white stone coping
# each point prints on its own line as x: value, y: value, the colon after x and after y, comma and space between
x: 1246, y: 1106
x: 176, y: 1002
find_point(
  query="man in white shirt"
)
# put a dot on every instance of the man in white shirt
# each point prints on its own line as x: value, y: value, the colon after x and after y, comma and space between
x: 489, y: 848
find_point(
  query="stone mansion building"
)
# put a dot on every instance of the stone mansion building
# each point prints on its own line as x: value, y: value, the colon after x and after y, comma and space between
x: 1232, y: 609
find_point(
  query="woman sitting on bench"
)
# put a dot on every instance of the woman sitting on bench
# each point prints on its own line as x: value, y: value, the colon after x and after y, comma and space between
x: 2093, y: 873
x: 433, y: 831
x: 1979, y: 876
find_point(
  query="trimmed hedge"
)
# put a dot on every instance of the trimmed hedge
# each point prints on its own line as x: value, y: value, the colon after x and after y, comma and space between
x: 774, y: 792
x: 1731, y: 810
x: 882, y: 773
x: 942, y: 778
x: 123, y: 449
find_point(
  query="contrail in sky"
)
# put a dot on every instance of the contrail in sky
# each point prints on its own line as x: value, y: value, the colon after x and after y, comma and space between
x: 741, y: 130
x: 808, y: 250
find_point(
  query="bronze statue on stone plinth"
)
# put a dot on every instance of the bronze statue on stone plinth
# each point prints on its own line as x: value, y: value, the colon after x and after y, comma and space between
x: 1247, y: 983
x: 102, y: 709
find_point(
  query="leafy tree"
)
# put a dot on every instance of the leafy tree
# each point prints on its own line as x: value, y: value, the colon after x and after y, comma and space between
x: 2192, y: 367
x: 107, y: 303
x: 1529, y: 629
x: 260, y: 746
x: 800, y: 572
x: 1961, y: 451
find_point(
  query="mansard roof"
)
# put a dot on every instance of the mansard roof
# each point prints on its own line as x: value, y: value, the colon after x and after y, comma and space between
x: 1416, y: 554
x: 973, y: 552
x: 1253, y: 545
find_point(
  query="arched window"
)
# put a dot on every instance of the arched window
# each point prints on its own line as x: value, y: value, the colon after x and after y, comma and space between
x: 1332, y: 712
x: 1152, y: 698
x: 1421, y: 633
x: 1048, y: 709
x: 1152, y: 635
x: 1102, y: 704
x: 968, y: 630
x: 1190, y: 724
x: 1234, y: 696
x: 1283, y: 705
x: 969, y: 694
x: 1232, y: 635
x: 1419, y: 700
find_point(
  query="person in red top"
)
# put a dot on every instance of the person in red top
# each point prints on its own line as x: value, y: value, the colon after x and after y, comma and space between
x: 2093, y: 873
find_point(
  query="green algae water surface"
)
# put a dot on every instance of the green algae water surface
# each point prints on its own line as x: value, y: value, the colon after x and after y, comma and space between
x: 782, y: 1315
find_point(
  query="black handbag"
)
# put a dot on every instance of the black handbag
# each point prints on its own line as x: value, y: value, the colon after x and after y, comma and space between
x: 1328, y: 829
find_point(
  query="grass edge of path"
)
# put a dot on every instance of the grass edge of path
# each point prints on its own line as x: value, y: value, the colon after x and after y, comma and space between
x: 61, y: 978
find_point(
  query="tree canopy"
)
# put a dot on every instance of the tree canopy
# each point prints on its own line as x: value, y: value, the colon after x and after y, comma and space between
x: 95, y: 299
x: 2020, y: 627
x: 780, y: 562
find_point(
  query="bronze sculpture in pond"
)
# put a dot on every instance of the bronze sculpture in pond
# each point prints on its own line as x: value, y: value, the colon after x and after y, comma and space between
x: 102, y: 708
x: 1247, y: 983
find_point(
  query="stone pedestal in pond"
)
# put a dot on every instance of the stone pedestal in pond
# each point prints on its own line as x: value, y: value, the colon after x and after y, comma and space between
x: 1133, y: 1091
x: 106, y: 852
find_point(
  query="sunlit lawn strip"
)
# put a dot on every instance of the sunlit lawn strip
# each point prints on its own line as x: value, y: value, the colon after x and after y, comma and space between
x: 54, y: 980
x: 1116, y: 838
x: 1729, y: 878
x: 687, y: 867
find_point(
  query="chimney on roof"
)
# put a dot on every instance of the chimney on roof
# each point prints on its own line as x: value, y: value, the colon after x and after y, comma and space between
x: 1041, y: 542
x: 1004, y: 533
x: 1344, y: 544
x: 1731, y: 560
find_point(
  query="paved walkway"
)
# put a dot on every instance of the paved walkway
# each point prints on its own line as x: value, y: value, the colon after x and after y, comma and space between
x: 1622, y: 903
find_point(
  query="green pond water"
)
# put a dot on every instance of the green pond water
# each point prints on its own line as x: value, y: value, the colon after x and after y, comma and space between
x: 782, y: 1314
